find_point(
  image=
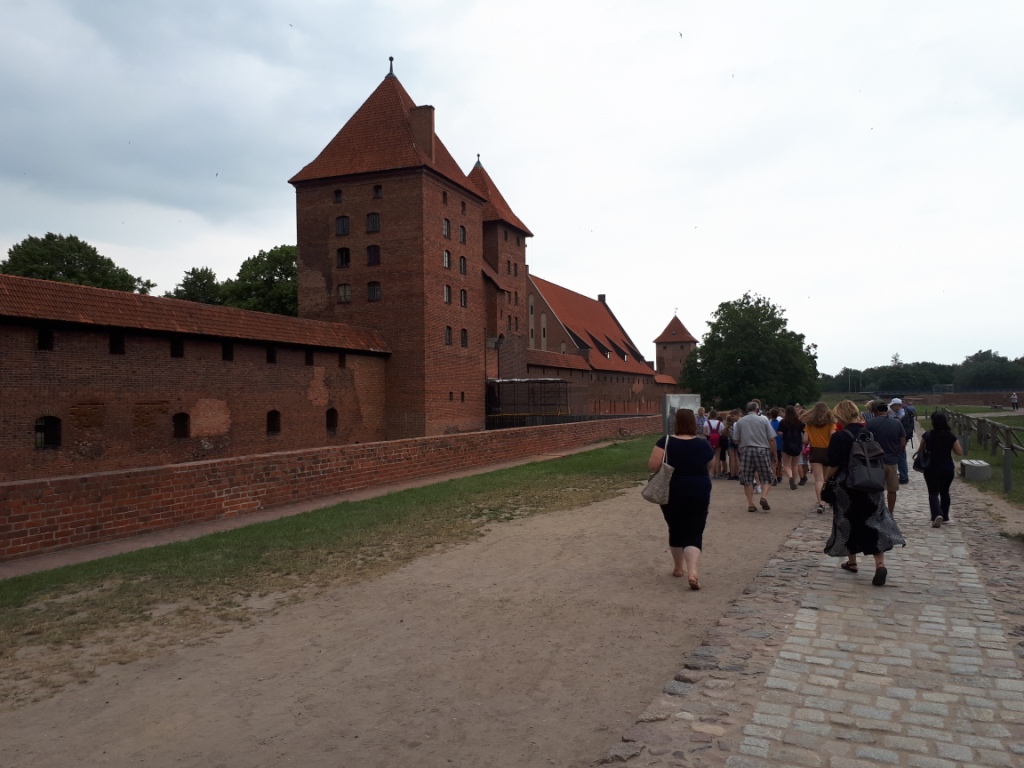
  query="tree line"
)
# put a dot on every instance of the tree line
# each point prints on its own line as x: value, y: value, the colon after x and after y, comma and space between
x: 985, y: 369
x: 266, y: 282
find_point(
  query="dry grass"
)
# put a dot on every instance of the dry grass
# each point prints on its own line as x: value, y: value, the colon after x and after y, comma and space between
x: 58, y: 627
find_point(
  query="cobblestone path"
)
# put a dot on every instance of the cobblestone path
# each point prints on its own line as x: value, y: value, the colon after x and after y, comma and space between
x: 814, y: 666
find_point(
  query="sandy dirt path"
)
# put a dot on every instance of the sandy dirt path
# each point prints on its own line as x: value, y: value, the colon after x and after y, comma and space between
x: 538, y: 644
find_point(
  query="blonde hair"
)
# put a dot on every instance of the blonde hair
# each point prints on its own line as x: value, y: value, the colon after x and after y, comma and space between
x: 846, y: 412
x: 818, y: 416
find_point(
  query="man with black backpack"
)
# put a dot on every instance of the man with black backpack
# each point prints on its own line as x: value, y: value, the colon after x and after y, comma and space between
x: 889, y: 434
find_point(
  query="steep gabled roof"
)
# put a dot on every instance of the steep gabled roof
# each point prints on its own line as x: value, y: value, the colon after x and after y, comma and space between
x: 675, y: 331
x: 495, y: 209
x: 379, y: 137
x: 24, y: 298
x: 593, y: 323
x: 548, y: 359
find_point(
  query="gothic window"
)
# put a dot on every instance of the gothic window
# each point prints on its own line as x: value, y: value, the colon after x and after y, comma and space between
x: 462, y: 234
x: 464, y: 337
x: 447, y: 228
x: 462, y: 265
x: 447, y: 294
x: 448, y: 335
x: 463, y: 298
x: 341, y: 225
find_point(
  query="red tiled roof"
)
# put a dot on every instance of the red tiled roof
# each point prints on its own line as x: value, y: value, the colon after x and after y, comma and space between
x: 495, y: 208
x: 675, y: 331
x: 378, y: 137
x: 548, y: 359
x: 593, y: 322
x: 26, y: 298
x: 664, y: 378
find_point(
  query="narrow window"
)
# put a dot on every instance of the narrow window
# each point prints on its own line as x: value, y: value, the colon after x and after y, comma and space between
x: 462, y: 265
x: 447, y: 228
x: 337, y: 195
x: 309, y: 357
x: 182, y: 428
x: 227, y: 352
x: 448, y: 335
x: 462, y: 396
x: 451, y: 395
x: 508, y: 267
x: 506, y: 235
x: 344, y: 258
x: 462, y: 234
x: 44, y: 339
x: 373, y: 291
x: 273, y: 422
x: 117, y: 343
x: 447, y: 294
x: 463, y: 206
x: 373, y: 255
x: 272, y: 355
x: 517, y: 322
x: 509, y: 318
x: 515, y: 270
x: 177, y: 347
x: 47, y: 433
x: 378, y: 191
x: 341, y: 360
x: 332, y: 421
x: 516, y: 302
x: 344, y: 293
x: 447, y: 260
x: 464, y: 337
x: 463, y: 298
x: 341, y: 225
x: 444, y: 198
x: 373, y: 222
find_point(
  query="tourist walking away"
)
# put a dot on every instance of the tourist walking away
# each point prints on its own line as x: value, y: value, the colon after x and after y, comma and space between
x: 791, y: 431
x: 775, y: 419
x: 819, y: 424
x: 689, y: 493
x: 889, y: 434
x: 861, y: 521
x: 940, y: 444
x: 1013, y: 400
x: 730, y: 444
x: 755, y: 441
x: 715, y: 429
x: 898, y: 412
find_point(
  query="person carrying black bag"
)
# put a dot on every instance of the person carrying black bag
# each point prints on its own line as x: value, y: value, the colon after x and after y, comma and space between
x: 861, y: 520
x: 940, y: 444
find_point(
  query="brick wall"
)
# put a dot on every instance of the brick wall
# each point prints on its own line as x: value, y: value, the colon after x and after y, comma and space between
x: 38, y: 516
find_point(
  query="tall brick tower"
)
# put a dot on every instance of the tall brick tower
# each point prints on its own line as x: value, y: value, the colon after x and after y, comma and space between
x: 392, y: 236
x: 672, y: 348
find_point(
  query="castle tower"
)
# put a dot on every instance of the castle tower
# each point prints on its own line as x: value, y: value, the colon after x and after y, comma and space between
x: 391, y: 236
x: 672, y: 348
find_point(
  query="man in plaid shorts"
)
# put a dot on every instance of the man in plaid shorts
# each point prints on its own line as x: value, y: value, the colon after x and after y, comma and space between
x: 756, y: 439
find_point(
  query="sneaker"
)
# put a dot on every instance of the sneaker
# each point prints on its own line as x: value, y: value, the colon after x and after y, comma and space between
x: 821, y: 509
x: 792, y: 484
x: 757, y: 489
x: 937, y: 522
x: 904, y: 482
x: 803, y: 481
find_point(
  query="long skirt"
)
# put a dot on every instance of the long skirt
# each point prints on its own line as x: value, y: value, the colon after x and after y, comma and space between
x: 861, y: 523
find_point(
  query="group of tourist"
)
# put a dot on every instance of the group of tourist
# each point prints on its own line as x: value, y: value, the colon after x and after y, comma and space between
x: 760, y: 451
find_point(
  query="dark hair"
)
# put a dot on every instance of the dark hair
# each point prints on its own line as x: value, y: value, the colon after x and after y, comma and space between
x: 791, y: 419
x: 686, y: 422
x: 940, y: 422
x: 774, y: 413
x: 880, y: 406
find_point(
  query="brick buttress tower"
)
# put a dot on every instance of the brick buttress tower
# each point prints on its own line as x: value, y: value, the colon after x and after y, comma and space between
x: 672, y: 348
x: 391, y: 236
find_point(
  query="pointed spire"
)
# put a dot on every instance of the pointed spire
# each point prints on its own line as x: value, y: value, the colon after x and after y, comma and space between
x: 391, y: 66
x: 478, y: 164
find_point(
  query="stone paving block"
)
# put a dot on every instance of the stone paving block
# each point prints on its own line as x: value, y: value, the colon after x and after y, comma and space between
x: 956, y: 752
x: 878, y: 755
x: 1000, y: 759
x: 923, y: 761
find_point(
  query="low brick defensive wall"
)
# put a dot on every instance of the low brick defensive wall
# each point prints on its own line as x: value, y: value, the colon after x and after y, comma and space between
x: 48, y: 515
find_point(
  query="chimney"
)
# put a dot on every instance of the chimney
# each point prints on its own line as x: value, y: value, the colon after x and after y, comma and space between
x: 422, y: 120
x: 600, y: 297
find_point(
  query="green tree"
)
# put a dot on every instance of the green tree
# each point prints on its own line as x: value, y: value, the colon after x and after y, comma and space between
x: 986, y: 369
x: 67, y: 259
x: 749, y: 352
x: 266, y: 282
x: 200, y: 285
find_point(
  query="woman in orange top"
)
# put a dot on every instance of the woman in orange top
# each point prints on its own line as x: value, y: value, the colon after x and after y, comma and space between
x: 819, y: 426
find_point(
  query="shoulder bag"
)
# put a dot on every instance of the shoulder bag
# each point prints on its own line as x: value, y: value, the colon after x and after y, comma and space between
x: 922, y: 458
x: 656, y: 490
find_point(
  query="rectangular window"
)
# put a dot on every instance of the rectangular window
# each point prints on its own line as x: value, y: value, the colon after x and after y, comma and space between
x: 341, y: 225
x: 447, y: 294
x: 117, y: 343
x: 227, y: 352
x: 44, y: 339
x: 344, y: 258
x: 373, y: 292
x: 337, y: 195
x: 373, y: 255
x: 447, y: 228
x: 447, y: 260
x: 462, y: 265
x: 344, y: 293
x: 373, y: 222
x: 463, y: 298
x: 448, y: 335
x: 177, y: 347
x: 462, y: 234
x: 378, y: 191
x: 464, y: 337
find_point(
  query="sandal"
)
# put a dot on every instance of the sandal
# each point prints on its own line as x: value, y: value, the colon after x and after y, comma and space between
x: 764, y: 505
x: 848, y: 566
x: 694, y: 583
x: 751, y: 509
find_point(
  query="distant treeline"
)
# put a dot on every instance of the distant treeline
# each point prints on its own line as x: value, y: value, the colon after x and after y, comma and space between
x: 984, y: 370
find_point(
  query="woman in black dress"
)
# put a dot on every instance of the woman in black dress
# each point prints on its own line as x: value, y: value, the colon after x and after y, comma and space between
x: 861, y: 521
x: 940, y: 443
x: 791, y: 430
x: 689, y: 493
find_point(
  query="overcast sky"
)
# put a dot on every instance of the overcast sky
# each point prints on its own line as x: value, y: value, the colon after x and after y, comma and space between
x: 860, y: 164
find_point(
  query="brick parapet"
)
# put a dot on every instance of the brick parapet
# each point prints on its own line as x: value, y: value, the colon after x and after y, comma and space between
x: 40, y: 516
